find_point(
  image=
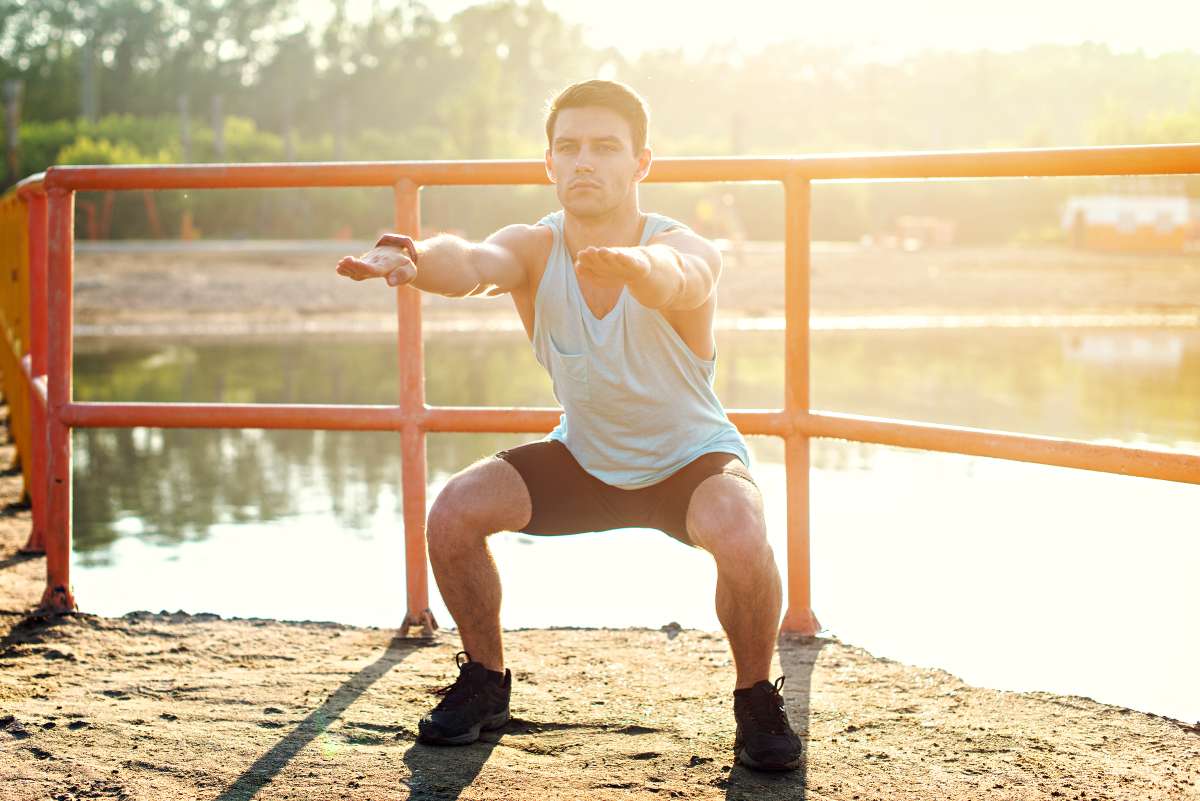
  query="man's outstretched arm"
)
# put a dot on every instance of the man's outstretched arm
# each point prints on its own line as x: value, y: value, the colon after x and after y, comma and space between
x: 449, y: 265
x: 677, y: 271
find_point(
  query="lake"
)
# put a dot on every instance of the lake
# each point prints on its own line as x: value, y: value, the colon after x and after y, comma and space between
x: 1009, y: 575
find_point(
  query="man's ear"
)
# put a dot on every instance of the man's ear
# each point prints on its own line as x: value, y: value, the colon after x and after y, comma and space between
x: 644, y: 161
x: 550, y: 168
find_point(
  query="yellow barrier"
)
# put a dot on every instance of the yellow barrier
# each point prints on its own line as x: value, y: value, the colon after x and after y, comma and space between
x: 14, y: 323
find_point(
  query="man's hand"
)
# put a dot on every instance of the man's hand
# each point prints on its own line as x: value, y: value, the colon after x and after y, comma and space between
x: 390, y: 263
x: 612, y: 266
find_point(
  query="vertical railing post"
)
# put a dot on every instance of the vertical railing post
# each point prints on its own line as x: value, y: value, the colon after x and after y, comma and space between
x: 412, y: 432
x: 35, y: 204
x: 799, y: 618
x: 60, y: 256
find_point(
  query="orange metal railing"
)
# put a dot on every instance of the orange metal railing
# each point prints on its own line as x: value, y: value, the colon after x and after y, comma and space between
x: 50, y: 203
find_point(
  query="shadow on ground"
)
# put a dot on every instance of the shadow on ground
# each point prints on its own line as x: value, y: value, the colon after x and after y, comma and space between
x: 29, y: 628
x: 797, y: 655
x: 266, y: 767
x: 443, y: 772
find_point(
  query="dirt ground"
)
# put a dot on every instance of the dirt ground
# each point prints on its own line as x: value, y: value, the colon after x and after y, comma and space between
x: 174, y: 706
x: 244, y: 292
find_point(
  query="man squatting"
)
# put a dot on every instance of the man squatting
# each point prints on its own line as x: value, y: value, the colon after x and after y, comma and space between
x: 618, y: 304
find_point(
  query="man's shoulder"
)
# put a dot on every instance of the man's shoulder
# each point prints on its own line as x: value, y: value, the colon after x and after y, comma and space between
x: 530, y: 244
x: 667, y: 229
x: 664, y: 219
x: 665, y: 223
x: 521, y: 236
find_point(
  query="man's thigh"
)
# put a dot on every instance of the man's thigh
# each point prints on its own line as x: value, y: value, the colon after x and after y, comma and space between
x: 566, y: 499
x: 490, y: 493
x: 679, y: 493
x: 726, y: 512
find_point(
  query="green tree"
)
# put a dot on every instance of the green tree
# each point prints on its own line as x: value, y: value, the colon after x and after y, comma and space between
x: 143, y: 54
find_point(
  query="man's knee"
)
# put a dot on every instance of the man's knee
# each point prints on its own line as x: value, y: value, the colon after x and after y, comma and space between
x: 725, y: 518
x: 487, y: 497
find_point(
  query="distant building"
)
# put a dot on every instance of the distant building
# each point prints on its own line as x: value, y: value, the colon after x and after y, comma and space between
x: 1128, y: 222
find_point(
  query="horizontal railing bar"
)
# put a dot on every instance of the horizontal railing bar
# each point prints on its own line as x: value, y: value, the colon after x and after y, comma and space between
x: 233, y: 415
x: 1117, y: 459
x: 350, y: 418
x: 1026, y: 163
x: 760, y: 422
x: 517, y: 420
x: 490, y: 420
x: 1118, y: 160
x: 294, y: 175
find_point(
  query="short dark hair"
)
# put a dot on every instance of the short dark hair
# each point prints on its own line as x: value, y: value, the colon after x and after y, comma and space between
x: 611, y: 95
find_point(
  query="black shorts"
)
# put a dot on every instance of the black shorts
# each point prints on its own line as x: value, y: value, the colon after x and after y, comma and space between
x: 567, y: 499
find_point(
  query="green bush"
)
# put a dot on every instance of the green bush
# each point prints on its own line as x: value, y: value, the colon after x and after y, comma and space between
x: 41, y: 142
x: 86, y: 150
x: 244, y: 143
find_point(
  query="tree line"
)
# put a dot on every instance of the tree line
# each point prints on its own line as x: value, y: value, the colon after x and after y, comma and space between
x: 113, y: 81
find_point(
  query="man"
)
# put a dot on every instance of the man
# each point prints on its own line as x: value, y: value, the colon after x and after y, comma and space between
x: 619, y: 307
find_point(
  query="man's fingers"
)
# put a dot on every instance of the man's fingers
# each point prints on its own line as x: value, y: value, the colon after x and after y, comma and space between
x: 356, y: 269
x: 595, y: 259
x: 402, y: 274
x: 613, y: 258
x: 391, y: 264
x: 378, y: 263
x: 617, y: 264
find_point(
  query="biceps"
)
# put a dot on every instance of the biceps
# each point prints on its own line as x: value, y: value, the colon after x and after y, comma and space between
x: 496, y: 266
x: 701, y: 271
x: 701, y: 264
x: 700, y: 257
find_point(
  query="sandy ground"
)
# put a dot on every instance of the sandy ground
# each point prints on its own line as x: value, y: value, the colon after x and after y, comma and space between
x: 244, y: 292
x: 189, y: 706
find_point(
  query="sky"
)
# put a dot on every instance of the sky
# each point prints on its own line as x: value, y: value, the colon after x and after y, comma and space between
x: 878, y: 29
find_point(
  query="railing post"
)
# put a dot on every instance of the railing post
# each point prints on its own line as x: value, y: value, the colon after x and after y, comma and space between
x: 412, y: 434
x: 60, y: 256
x: 799, y: 618
x: 35, y: 204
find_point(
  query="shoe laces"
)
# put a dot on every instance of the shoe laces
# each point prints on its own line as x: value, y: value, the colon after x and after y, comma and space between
x: 767, y: 708
x: 462, y: 689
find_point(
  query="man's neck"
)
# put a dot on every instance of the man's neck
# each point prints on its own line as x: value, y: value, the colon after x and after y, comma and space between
x: 621, y: 228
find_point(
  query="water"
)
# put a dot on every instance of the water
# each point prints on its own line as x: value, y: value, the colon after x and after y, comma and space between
x: 1009, y: 575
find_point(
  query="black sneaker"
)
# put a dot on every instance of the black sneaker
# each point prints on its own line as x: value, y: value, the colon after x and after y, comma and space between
x: 477, y: 701
x: 764, y: 739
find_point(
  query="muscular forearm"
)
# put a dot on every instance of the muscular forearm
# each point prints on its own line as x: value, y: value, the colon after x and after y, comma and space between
x: 673, y: 281
x: 445, y: 265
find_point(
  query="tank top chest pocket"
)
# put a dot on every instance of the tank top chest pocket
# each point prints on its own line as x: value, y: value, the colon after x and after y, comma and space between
x: 570, y: 375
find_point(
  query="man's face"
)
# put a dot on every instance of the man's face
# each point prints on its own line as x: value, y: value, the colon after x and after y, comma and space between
x: 591, y: 160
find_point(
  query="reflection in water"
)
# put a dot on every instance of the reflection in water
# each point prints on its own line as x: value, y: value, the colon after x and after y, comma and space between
x: 159, y: 513
x: 172, y: 485
x: 169, y: 486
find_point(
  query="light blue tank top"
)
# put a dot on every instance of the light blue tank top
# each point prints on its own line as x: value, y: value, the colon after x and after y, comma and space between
x: 638, y: 403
